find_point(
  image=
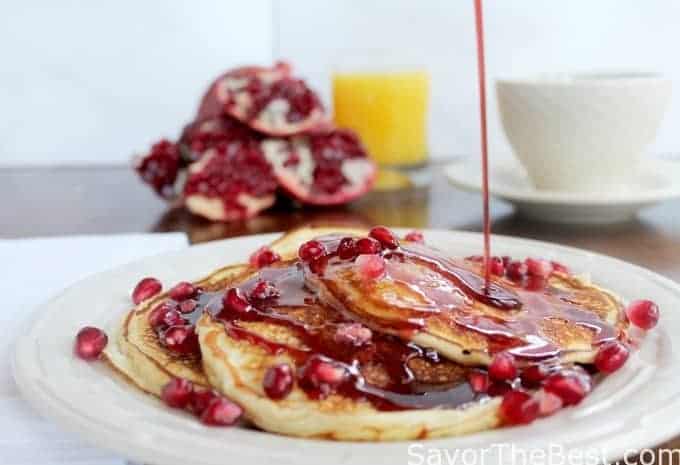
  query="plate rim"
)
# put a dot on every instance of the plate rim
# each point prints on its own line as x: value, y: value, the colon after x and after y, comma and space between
x: 562, y: 198
x: 143, y: 452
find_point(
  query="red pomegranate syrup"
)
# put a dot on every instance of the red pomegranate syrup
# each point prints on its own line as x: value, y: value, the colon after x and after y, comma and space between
x: 481, y: 75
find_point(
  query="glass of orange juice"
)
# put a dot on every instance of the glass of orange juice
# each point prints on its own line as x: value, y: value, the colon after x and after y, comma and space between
x: 389, y: 111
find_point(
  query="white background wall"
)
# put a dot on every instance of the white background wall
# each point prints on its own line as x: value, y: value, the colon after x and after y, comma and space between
x: 94, y: 81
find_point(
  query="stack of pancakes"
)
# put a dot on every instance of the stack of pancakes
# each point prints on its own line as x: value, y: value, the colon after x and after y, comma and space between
x: 236, y: 366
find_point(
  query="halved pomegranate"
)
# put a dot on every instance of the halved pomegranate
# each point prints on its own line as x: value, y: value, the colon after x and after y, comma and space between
x: 159, y: 168
x: 322, y: 168
x: 231, y: 181
x: 266, y: 99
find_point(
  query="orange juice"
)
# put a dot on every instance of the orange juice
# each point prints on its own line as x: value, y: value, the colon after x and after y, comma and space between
x: 388, y: 110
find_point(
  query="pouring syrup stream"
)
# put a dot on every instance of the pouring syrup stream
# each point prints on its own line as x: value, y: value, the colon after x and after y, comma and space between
x: 481, y: 75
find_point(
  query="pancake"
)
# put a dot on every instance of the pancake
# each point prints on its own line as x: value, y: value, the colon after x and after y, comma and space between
x: 408, y: 379
x: 135, y: 351
x: 439, y: 302
x: 392, y: 390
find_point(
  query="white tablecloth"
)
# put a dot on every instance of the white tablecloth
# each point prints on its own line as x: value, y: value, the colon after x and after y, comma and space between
x: 32, y: 271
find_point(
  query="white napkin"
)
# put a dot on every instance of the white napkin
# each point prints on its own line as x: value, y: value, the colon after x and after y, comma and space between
x: 32, y: 271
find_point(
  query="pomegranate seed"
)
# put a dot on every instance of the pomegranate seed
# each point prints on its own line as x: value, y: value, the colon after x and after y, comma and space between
x: 518, y: 408
x: 157, y: 316
x: 347, y: 249
x: 200, y: 399
x: 182, y: 291
x: 557, y: 266
x: 264, y: 256
x: 535, y: 283
x: 90, y: 343
x: 177, y: 393
x: 516, y: 270
x: 318, y: 372
x: 354, y: 334
x: 371, y: 266
x: 173, y: 318
x: 145, y: 289
x: 181, y: 339
x: 221, y: 412
x: 234, y: 300
x: 506, y: 260
x: 498, y: 388
x: 318, y: 265
x: 188, y: 306
x: 496, y: 266
x: 548, y: 403
x: 479, y: 380
x: 386, y: 237
x: 503, y: 367
x: 538, y: 267
x: 415, y: 236
x: 570, y: 388
x: 643, y: 313
x: 311, y: 250
x: 368, y: 246
x: 533, y: 376
x: 264, y: 290
x: 611, y: 356
x: 278, y: 381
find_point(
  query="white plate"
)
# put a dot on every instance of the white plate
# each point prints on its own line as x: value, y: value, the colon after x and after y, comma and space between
x: 658, y: 180
x: 639, y: 406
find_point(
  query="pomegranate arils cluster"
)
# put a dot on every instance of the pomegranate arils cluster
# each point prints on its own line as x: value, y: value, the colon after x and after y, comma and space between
x: 258, y: 129
x: 212, y: 408
x: 231, y: 181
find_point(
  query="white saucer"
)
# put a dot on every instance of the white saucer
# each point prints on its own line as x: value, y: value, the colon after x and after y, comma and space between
x: 636, y: 407
x: 658, y: 180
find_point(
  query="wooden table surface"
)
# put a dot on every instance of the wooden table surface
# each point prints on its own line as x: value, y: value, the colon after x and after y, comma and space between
x: 105, y: 200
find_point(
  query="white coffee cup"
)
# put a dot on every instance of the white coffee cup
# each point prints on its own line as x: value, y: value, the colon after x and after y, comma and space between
x: 582, y: 132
